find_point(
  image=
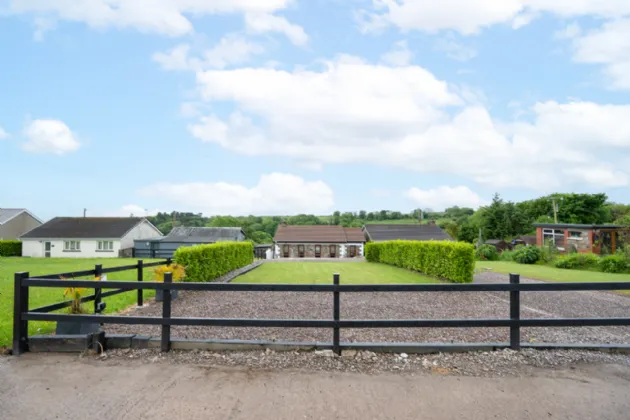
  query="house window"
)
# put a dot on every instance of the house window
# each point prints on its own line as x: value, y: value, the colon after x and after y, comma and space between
x: 285, y: 251
x: 318, y: 251
x: 554, y: 236
x: 575, y: 234
x: 105, y: 245
x: 352, y: 251
x: 72, y: 246
x: 333, y: 251
x: 301, y: 251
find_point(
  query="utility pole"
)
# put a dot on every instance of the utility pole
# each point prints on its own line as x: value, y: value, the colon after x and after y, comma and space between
x: 555, y: 210
x: 84, y: 212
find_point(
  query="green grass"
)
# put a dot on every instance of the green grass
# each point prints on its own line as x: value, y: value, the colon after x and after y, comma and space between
x: 322, y: 273
x: 544, y: 272
x: 40, y: 296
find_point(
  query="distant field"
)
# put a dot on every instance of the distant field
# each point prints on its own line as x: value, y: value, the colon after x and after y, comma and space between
x: 43, y: 296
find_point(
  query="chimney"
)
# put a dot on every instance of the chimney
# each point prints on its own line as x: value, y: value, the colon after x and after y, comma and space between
x: 84, y: 212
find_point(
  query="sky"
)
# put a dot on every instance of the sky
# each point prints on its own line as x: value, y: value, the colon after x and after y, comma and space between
x: 274, y: 107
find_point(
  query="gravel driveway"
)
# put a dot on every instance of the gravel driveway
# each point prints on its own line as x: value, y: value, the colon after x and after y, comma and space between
x: 434, y: 305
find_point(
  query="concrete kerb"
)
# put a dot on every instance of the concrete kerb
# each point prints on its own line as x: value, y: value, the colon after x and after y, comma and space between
x: 84, y: 342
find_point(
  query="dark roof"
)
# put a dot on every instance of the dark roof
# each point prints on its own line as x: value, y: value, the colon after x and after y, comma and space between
x: 85, y: 227
x: 495, y: 241
x: 528, y: 239
x: 202, y: 234
x: 379, y: 233
x: 318, y: 233
x: 576, y: 226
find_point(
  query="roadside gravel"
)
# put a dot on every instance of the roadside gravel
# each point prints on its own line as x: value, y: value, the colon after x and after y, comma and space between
x: 464, y: 305
x: 483, y: 364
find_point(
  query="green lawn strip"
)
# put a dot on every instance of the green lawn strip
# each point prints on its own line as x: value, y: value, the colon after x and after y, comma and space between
x: 322, y: 273
x: 40, y: 296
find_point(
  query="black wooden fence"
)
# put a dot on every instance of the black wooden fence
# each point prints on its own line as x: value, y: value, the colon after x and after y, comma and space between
x: 23, y: 282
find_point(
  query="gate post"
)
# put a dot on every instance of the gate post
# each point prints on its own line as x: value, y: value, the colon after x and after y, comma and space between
x: 336, y: 346
x: 20, y: 304
x: 515, y: 313
x: 140, y: 278
x: 98, y: 272
x: 166, y: 314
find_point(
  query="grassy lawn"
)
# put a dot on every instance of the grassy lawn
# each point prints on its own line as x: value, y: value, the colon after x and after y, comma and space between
x: 322, y: 273
x: 43, y: 296
x: 543, y: 272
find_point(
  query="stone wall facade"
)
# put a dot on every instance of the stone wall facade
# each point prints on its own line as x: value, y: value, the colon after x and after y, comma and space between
x: 339, y: 250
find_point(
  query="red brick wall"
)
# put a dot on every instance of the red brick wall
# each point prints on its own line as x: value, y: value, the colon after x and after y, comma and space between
x: 539, y: 236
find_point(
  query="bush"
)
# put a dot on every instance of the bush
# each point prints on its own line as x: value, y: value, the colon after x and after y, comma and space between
x: 487, y: 253
x: 205, y: 263
x: 507, y: 255
x: 454, y: 261
x: 577, y: 261
x: 613, y: 264
x: 10, y: 248
x: 527, y: 254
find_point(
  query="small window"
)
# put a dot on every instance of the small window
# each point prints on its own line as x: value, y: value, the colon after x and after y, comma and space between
x: 301, y: 251
x: 285, y: 251
x: 105, y: 245
x: 72, y: 246
x: 318, y: 251
x: 333, y: 251
x: 575, y: 234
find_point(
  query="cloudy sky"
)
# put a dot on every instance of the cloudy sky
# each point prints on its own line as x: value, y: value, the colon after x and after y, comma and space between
x: 287, y: 106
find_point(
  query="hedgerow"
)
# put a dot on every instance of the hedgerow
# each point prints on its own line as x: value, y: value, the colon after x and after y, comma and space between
x: 453, y: 261
x: 205, y: 263
x: 10, y: 248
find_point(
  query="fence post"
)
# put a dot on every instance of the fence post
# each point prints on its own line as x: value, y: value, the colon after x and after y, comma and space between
x: 515, y: 313
x: 98, y: 272
x: 20, y: 304
x: 336, y: 347
x: 140, y: 278
x: 169, y: 261
x: 166, y: 313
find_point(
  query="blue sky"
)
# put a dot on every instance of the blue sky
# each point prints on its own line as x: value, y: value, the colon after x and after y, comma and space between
x: 281, y: 106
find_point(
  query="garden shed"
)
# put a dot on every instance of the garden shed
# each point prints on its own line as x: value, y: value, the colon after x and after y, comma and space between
x: 165, y: 247
x: 598, y: 239
x: 499, y: 244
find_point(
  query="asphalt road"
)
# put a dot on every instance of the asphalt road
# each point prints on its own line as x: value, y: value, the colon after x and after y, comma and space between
x: 65, y: 387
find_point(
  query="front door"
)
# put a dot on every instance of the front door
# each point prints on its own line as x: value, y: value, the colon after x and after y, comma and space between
x: 47, y: 249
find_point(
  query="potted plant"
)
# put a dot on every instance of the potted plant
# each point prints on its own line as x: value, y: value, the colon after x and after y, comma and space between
x: 76, y: 307
x: 179, y: 273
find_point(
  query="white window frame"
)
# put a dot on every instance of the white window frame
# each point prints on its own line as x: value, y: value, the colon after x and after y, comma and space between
x: 576, y: 238
x: 105, y: 246
x: 553, y: 234
x: 72, y: 246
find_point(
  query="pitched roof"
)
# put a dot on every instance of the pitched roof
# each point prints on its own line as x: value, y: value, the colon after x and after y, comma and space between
x: 202, y: 234
x: 379, y: 233
x: 84, y: 227
x: 318, y: 233
x: 8, y: 214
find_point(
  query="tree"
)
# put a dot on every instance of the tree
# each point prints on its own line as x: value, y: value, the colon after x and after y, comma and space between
x: 336, y: 219
x: 362, y: 215
x: 261, y: 238
x: 468, y: 233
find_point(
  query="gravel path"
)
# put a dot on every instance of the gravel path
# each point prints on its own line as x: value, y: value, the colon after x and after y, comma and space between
x: 436, y: 305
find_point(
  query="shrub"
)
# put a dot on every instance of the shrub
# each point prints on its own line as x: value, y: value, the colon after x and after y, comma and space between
x: 207, y: 262
x: 454, y: 261
x: 577, y: 261
x: 487, y: 253
x: 178, y: 271
x: 527, y: 254
x: 10, y: 248
x: 613, y: 264
x: 507, y: 255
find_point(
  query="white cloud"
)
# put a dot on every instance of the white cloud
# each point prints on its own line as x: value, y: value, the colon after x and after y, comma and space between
x: 570, y: 31
x: 168, y: 17
x: 127, y: 210
x: 50, y: 136
x: 454, y: 49
x: 3, y: 134
x: 469, y: 17
x: 440, y: 198
x: 230, y: 50
x: 399, y: 55
x: 353, y: 111
x: 609, y: 46
x: 274, y: 194
x: 266, y: 22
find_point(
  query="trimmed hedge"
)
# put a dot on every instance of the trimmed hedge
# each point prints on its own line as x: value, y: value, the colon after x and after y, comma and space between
x: 10, y: 248
x: 454, y: 261
x: 205, y: 263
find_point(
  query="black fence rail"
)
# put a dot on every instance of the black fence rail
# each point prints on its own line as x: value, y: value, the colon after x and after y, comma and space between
x: 22, y: 314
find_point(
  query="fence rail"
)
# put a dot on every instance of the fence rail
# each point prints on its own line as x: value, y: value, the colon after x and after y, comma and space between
x: 22, y: 314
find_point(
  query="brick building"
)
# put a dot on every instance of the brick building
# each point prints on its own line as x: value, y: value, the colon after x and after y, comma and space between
x: 598, y: 239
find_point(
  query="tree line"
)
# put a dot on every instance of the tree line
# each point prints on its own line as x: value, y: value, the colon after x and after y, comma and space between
x: 499, y: 220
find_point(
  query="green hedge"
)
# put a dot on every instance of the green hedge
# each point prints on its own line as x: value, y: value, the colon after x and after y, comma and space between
x: 10, y: 248
x: 454, y: 261
x: 207, y: 262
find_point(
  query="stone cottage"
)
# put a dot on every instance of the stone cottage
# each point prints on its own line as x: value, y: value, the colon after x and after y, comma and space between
x: 319, y: 241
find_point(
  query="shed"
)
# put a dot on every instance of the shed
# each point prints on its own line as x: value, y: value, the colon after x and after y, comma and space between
x: 598, y: 239
x: 165, y: 247
x: 527, y: 240
x: 499, y: 244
